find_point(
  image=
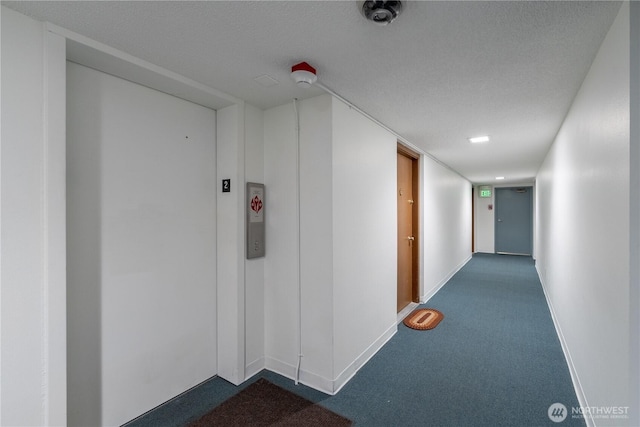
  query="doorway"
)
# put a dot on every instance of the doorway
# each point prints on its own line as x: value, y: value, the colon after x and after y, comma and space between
x: 473, y: 220
x: 514, y: 220
x: 141, y: 234
x: 408, y: 227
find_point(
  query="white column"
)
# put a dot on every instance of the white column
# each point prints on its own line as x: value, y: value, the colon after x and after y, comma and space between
x: 231, y: 244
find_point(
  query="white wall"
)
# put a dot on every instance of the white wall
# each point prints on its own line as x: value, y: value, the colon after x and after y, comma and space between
x: 446, y: 236
x: 32, y: 278
x: 309, y: 245
x: 254, y: 268
x: 141, y: 234
x: 347, y: 240
x: 317, y: 233
x: 364, y: 186
x: 22, y: 219
x: 634, y: 294
x: 281, y: 261
x: 33, y: 144
x: 230, y: 267
x: 484, y: 223
x: 348, y: 229
x: 84, y: 340
x: 583, y: 226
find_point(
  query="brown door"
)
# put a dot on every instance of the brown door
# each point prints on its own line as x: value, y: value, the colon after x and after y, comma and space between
x: 407, y: 230
x: 473, y: 220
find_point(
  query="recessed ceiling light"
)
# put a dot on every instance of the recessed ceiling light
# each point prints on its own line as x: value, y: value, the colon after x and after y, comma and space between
x: 499, y: 177
x: 478, y: 139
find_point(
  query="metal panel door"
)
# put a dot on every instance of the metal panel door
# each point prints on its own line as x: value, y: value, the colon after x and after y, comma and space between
x: 514, y: 220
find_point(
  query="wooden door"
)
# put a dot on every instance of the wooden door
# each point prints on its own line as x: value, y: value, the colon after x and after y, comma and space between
x: 473, y: 220
x: 407, y: 230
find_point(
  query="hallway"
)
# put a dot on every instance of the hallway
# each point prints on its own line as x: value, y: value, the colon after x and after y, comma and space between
x: 494, y: 360
x: 322, y: 302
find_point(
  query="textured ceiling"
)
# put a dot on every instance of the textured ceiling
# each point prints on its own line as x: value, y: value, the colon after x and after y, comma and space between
x: 442, y: 72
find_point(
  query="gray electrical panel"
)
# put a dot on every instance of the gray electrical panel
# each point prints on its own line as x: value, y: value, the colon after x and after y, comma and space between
x: 255, y: 220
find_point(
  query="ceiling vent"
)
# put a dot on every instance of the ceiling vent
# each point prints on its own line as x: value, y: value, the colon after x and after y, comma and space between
x: 381, y: 12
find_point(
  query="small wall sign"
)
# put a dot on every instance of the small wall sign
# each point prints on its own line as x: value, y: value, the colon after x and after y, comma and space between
x: 226, y: 186
x: 255, y: 220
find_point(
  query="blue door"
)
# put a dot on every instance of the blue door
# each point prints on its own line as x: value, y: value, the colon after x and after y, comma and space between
x: 514, y: 220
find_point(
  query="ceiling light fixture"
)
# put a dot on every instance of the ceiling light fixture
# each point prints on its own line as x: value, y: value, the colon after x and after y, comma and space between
x: 499, y: 177
x: 478, y: 139
x: 381, y: 12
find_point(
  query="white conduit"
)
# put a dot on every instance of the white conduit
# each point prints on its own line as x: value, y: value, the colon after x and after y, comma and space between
x: 297, y: 132
x: 299, y: 272
x: 299, y: 228
x: 385, y: 127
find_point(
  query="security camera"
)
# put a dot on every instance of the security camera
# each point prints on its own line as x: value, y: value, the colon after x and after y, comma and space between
x: 381, y: 12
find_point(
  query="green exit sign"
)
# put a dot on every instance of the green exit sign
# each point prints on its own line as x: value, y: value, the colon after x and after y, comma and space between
x: 485, y: 191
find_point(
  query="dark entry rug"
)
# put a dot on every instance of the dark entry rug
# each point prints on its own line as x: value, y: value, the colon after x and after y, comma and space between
x: 265, y: 404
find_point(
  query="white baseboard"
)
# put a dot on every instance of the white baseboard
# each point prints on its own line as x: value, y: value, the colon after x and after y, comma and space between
x: 348, y: 373
x: 309, y: 379
x: 426, y: 297
x: 253, y: 368
x: 575, y: 378
x: 327, y: 385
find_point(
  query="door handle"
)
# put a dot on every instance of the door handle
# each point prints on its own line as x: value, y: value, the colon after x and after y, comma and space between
x: 411, y: 238
x: 499, y: 220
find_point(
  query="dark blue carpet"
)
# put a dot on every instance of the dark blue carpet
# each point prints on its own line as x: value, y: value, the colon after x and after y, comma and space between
x: 494, y: 360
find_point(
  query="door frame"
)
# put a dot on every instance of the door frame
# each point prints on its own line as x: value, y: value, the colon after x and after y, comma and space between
x: 473, y: 219
x: 62, y: 45
x: 415, y: 216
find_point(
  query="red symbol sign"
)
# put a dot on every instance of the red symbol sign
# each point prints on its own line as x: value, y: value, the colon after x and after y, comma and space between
x: 256, y: 204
